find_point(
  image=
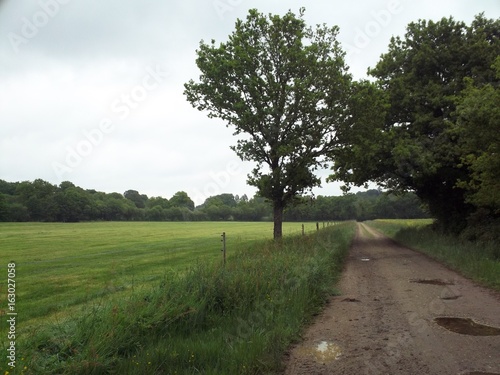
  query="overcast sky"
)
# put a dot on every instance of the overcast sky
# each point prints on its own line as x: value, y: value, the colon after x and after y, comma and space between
x: 91, y: 91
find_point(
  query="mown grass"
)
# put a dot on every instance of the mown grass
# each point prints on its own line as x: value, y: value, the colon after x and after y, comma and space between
x: 479, y: 261
x: 197, y: 318
x: 61, y: 266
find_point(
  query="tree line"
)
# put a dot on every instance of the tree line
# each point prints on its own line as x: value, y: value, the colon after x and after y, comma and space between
x: 42, y: 201
x: 426, y: 121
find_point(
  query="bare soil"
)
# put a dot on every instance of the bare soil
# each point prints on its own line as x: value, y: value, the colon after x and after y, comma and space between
x: 386, y: 319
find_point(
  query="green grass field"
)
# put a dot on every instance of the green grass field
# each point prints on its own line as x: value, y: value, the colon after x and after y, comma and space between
x: 66, y: 273
x: 60, y: 266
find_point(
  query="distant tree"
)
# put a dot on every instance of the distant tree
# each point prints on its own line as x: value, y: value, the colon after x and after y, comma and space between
x: 8, y: 188
x: 111, y: 209
x: 114, y: 195
x: 218, y: 212
x: 175, y: 213
x: 155, y: 213
x: 4, y: 214
x: 220, y: 207
x: 158, y: 201
x: 369, y: 194
x: 301, y: 210
x: 114, y: 207
x: 199, y: 215
x: 17, y: 212
x: 138, y: 199
x: 409, y: 206
x: 181, y: 199
x: 242, y: 199
x: 66, y: 185
x: 72, y: 204
x: 228, y: 200
x: 39, y: 198
x: 285, y: 86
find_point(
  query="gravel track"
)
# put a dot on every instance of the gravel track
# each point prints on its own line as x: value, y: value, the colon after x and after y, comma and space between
x: 384, y: 320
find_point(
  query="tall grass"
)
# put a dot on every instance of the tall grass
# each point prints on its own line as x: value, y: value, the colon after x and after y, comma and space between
x: 211, y: 319
x: 479, y: 261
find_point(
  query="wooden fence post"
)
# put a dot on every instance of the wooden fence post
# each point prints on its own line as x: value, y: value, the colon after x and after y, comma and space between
x: 224, y: 247
x: 303, y: 229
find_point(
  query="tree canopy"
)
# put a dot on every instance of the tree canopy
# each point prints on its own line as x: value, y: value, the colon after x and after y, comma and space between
x: 479, y: 131
x: 438, y: 132
x: 284, y: 86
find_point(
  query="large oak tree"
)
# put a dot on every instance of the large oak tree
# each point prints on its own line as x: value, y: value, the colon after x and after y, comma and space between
x: 414, y: 140
x: 284, y: 86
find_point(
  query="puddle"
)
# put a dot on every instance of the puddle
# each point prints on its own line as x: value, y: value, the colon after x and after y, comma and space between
x: 450, y: 297
x: 327, y: 351
x: 350, y: 300
x: 323, y: 352
x: 467, y: 326
x: 431, y: 281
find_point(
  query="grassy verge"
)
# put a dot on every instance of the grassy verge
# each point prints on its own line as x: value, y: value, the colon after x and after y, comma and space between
x: 478, y: 261
x: 237, y: 319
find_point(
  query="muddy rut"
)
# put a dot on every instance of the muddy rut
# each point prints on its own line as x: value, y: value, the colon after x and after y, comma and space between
x: 400, y: 312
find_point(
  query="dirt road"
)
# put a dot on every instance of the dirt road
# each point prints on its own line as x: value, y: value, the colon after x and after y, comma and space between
x: 384, y: 322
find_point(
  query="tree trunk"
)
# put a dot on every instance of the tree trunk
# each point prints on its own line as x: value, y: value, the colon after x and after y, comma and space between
x: 278, y: 220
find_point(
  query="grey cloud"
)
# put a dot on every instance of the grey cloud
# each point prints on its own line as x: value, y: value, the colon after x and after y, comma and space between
x: 64, y: 79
